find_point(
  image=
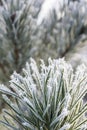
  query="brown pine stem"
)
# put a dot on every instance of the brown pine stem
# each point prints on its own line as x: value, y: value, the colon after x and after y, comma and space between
x: 3, y: 69
x: 16, y: 51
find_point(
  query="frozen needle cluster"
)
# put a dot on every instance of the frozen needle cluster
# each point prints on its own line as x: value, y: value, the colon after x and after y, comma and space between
x: 47, y: 98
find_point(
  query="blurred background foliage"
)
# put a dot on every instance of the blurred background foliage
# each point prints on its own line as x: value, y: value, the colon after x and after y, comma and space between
x: 26, y: 32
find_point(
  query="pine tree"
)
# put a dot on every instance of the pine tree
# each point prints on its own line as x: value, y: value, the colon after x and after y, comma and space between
x: 47, y: 98
x: 26, y: 32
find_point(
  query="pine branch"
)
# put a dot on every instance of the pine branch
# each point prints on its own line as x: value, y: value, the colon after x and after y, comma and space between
x: 47, y: 98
